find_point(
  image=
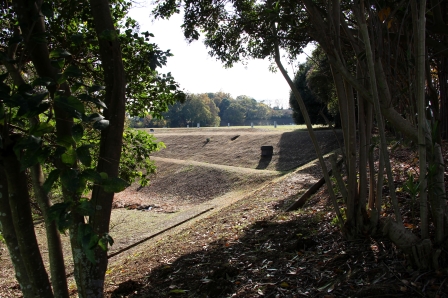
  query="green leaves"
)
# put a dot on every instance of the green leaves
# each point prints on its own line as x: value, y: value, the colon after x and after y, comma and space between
x: 137, y: 147
x: 69, y: 156
x: 104, y: 241
x: 74, y: 181
x: 83, y: 154
x: 85, y: 207
x: 96, y: 88
x: 101, y: 124
x: 89, y: 241
x: 51, y: 179
x: 41, y: 129
x: 92, y: 175
x: 28, y: 150
x: 72, y: 71
x: 114, y: 184
x: 95, y: 100
x: 43, y: 81
x: 59, y: 213
x: 59, y: 53
x: 71, y: 181
x: 77, y: 39
x: 29, y: 104
x: 77, y: 132
x: 71, y: 105
x: 93, y: 117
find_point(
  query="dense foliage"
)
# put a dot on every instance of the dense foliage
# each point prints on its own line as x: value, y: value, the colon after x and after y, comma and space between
x: 68, y: 73
x: 215, y: 109
x: 315, y: 85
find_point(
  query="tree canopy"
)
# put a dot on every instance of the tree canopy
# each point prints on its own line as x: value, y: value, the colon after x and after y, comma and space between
x: 68, y: 73
x: 213, y: 109
x: 314, y: 82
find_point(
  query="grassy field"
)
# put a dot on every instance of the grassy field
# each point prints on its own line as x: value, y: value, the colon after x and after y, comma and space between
x: 239, y: 128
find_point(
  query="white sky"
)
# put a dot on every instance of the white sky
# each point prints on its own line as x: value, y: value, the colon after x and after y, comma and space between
x: 197, y: 72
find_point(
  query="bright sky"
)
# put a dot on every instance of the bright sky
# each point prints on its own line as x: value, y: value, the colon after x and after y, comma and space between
x: 197, y: 72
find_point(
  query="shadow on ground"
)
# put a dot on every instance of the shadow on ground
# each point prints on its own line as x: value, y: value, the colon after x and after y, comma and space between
x: 292, y: 258
x: 296, y: 149
x: 264, y: 162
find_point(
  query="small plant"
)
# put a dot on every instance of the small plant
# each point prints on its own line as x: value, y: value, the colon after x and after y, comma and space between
x: 2, y: 239
x: 412, y: 188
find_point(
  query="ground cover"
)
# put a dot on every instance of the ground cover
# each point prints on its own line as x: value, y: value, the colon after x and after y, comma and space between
x: 249, y: 247
x: 255, y: 249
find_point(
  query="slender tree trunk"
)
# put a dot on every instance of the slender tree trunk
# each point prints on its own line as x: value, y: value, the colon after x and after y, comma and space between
x: 111, y: 141
x: 9, y: 234
x: 376, y: 102
x: 343, y: 111
x: 308, y: 125
x: 442, y: 74
x: 422, y: 122
x: 347, y: 112
x: 57, y: 267
x: 352, y: 151
x: 363, y: 154
x: 56, y: 257
x: 19, y: 202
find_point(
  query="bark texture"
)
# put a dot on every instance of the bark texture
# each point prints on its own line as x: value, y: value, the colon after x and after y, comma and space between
x: 9, y: 234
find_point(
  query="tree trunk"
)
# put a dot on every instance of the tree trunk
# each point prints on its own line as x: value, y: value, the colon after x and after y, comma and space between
x: 421, y: 105
x: 376, y: 103
x: 19, y: 202
x: 9, y: 234
x: 308, y: 125
x: 442, y: 74
x: 110, y: 144
x: 363, y: 154
x: 349, y: 133
x: 353, y: 157
x: 55, y: 254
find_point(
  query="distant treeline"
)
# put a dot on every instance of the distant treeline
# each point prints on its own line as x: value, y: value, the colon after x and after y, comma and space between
x: 216, y: 109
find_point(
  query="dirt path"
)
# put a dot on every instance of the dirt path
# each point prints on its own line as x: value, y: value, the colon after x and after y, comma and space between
x: 217, y: 166
x: 142, y: 226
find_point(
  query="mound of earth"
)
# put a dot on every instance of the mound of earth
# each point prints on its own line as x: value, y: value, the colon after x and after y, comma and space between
x: 241, y: 147
x: 200, y: 164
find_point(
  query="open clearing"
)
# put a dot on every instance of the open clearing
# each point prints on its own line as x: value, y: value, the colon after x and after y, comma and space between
x: 199, y: 173
x: 212, y: 224
x: 195, y: 175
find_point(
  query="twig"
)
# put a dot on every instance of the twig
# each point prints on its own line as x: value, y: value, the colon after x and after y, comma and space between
x: 441, y: 286
x: 412, y: 288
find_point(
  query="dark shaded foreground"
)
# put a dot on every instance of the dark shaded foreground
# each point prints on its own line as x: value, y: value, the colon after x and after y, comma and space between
x: 286, y: 255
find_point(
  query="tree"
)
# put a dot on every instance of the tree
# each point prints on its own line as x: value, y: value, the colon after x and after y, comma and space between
x: 313, y: 106
x: 235, y: 114
x: 223, y: 106
x: 62, y: 90
x: 319, y: 80
x: 198, y: 108
x: 373, y: 49
x: 261, y: 112
x: 315, y: 84
x: 218, y: 97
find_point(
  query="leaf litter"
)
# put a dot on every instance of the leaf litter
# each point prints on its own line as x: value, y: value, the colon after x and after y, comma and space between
x: 255, y: 249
